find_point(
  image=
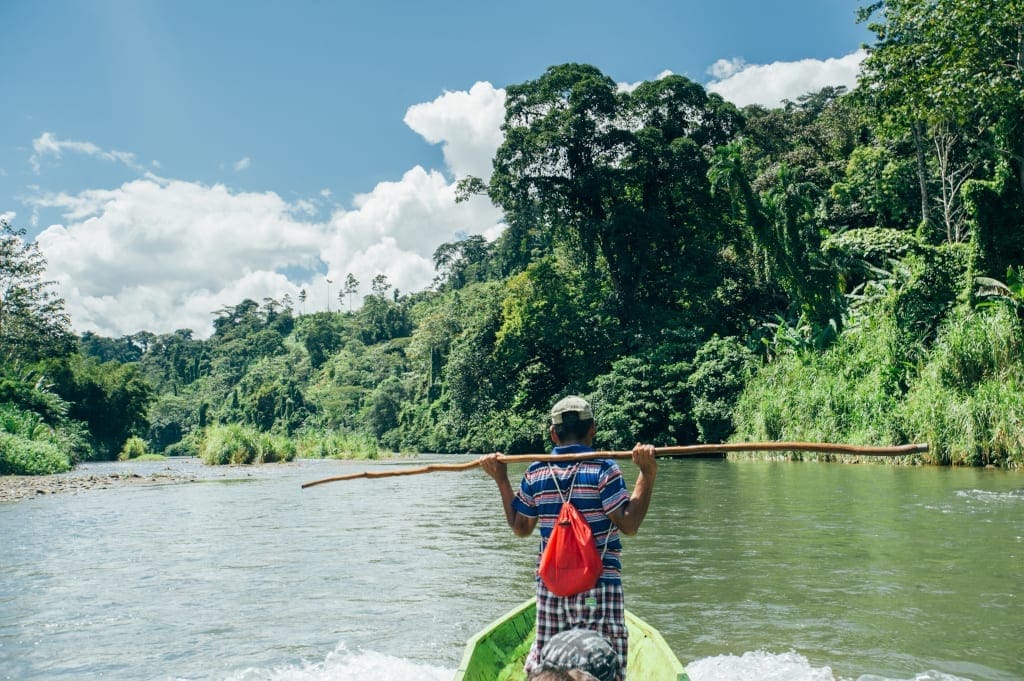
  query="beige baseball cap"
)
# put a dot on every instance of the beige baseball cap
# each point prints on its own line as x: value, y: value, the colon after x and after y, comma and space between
x: 571, y: 404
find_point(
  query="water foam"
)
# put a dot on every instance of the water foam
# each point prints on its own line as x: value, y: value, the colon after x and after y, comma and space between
x: 988, y: 496
x: 757, y: 666
x: 765, y: 666
x: 345, y: 665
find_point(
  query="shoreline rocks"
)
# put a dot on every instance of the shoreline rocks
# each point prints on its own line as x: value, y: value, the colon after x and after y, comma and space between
x: 18, y: 487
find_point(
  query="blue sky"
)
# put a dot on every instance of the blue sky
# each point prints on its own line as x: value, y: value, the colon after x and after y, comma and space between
x: 174, y: 157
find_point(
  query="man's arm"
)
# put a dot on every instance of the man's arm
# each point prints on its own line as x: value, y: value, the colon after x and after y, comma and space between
x: 629, y: 516
x: 522, y: 526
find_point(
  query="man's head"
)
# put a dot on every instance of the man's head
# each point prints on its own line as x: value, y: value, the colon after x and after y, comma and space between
x: 583, y: 650
x: 572, y: 421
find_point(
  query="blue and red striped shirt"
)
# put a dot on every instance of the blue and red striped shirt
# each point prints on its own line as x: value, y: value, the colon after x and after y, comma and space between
x: 597, y: 491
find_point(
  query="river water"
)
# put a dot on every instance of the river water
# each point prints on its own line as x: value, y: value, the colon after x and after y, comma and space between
x: 751, y: 570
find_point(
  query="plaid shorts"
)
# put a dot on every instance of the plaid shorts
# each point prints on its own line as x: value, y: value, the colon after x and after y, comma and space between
x: 600, y: 609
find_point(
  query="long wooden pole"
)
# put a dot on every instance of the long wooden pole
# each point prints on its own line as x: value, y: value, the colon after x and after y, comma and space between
x: 662, y: 452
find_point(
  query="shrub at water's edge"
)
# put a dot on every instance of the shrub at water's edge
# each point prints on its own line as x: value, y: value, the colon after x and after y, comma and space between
x: 338, y: 445
x: 238, y: 444
x: 21, y: 456
x: 134, y: 448
x: 28, y: 446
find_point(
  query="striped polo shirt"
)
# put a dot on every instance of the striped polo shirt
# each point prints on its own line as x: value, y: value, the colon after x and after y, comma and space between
x: 598, y: 490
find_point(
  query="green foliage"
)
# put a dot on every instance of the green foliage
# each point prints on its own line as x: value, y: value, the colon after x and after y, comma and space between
x: 1011, y: 293
x: 969, y: 402
x: 995, y: 210
x: 617, y: 178
x: 877, y: 189
x: 847, y: 393
x: 171, y: 418
x: 320, y: 334
x: 123, y: 349
x: 948, y: 75
x: 189, y: 445
x: 646, y: 398
x: 874, y: 246
x: 555, y: 335
x: 464, y: 262
x: 111, y: 398
x: 170, y: 362
x: 28, y: 446
x: 238, y: 444
x: 931, y: 285
x: 473, y: 389
x: 782, y: 227
x: 30, y: 408
x: 22, y: 456
x: 721, y: 369
x: 336, y: 444
x: 385, y: 404
x: 134, y: 448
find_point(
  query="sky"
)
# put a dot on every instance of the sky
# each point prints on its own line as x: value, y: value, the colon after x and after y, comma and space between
x: 174, y: 157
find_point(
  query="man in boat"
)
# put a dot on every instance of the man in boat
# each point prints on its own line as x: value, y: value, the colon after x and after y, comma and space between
x: 599, y: 493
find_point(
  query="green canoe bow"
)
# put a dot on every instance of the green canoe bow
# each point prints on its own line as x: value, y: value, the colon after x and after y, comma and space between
x: 499, y: 651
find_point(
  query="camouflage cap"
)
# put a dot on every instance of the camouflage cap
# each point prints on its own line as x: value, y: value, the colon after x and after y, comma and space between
x: 581, y: 649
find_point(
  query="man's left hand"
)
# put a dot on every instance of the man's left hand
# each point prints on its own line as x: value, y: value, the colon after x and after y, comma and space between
x: 643, y: 457
x: 493, y: 467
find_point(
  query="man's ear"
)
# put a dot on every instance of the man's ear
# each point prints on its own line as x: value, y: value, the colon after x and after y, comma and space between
x: 553, y: 435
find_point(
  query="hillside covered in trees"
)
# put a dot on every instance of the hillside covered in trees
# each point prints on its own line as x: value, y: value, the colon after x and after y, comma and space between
x: 849, y: 267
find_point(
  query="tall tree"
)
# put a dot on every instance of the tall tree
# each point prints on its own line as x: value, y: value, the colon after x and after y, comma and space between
x: 461, y: 263
x: 951, y: 75
x: 782, y: 224
x: 349, y: 288
x: 618, y: 178
x: 33, y: 323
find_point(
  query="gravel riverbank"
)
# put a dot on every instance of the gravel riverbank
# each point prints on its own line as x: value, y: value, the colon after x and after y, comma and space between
x: 16, y: 487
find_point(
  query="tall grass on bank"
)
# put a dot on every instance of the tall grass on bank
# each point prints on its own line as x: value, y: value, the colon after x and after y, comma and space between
x: 238, y: 444
x: 847, y: 394
x: 965, y: 398
x: 28, y: 446
x: 969, y: 400
x: 337, y: 444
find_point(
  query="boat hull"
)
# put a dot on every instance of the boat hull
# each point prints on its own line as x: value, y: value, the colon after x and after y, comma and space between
x: 499, y: 651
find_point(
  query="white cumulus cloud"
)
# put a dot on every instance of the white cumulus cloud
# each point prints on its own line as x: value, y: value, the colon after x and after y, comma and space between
x: 162, y: 254
x: 771, y: 84
x: 724, y: 68
x: 395, y: 229
x: 466, y: 124
x: 242, y: 163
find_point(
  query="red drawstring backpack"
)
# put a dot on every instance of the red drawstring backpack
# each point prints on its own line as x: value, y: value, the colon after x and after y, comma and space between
x: 570, y: 562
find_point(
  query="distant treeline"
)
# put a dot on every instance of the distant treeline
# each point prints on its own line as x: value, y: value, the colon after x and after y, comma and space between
x: 848, y: 267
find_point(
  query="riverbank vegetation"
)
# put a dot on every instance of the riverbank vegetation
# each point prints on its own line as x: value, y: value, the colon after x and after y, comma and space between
x: 848, y: 267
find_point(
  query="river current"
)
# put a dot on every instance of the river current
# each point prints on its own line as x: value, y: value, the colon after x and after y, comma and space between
x: 751, y: 570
